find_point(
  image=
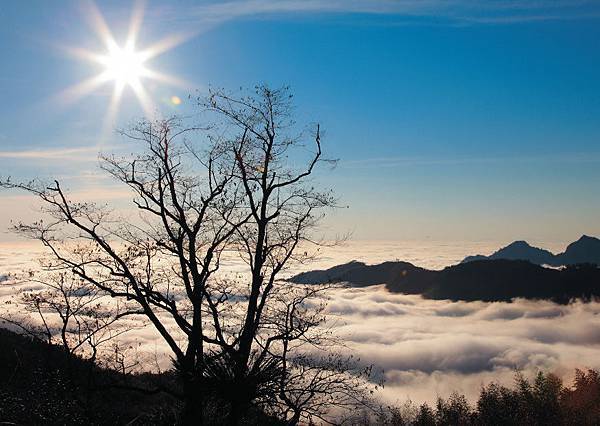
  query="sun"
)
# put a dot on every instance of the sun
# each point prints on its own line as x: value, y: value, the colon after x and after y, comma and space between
x: 125, y: 65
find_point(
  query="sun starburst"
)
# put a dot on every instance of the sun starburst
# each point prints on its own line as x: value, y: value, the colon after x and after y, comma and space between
x: 125, y: 65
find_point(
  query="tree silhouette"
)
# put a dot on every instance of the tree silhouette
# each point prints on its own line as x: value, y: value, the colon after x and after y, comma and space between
x: 251, y: 341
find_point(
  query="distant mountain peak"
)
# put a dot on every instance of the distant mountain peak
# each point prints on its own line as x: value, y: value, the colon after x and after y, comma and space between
x: 519, y: 243
x: 522, y: 250
x: 584, y: 240
x: 585, y: 250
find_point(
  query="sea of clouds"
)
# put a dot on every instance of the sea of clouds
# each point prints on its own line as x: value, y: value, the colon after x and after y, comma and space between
x: 429, y: 348
x: 425, y: 348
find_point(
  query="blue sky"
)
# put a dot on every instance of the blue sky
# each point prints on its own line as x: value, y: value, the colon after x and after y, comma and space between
x: 456, y: 120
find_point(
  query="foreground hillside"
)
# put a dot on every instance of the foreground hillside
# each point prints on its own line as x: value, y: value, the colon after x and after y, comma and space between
x: 41, y: 385
x: 486, y: 280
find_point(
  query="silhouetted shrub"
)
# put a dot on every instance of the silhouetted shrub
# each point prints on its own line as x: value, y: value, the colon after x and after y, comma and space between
x: 581, y: 403
x: 541, y: 401
x: 425, y: 416
x: 498, y: 405
x: 453, y: 411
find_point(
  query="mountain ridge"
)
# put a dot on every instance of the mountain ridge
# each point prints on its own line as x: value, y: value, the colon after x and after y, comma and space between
x: 486, y: 280
x: 585, y: 250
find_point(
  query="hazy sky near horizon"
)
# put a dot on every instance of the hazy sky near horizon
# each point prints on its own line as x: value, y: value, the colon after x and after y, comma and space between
x: 457, y: 120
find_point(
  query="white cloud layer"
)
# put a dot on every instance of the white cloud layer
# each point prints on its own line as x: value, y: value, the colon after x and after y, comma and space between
x: 88, y: 153
x: 426, y: 348
x: 456, y: 12
x: 429, y: 348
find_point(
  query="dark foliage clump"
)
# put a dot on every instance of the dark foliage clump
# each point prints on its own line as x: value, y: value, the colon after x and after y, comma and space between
x: 425, y: 416
x: 541, y: 401
x: 582, y: 402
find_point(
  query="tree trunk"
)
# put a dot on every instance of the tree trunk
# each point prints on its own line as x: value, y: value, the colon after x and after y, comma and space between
x: 295, y: 418
x: 238, y: 411
x: 193, y: 409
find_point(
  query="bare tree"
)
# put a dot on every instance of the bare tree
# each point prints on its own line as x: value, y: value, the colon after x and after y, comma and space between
x: 243, y: 189
x: 69, y: 312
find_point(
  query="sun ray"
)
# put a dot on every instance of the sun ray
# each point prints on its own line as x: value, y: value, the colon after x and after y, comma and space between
x: 83, y: 54
x: 99, y: 25
x: 112, y: 111
x: 165, y: 45
x: 81, y: 89
x: 143, y: 98
x: 135, y: 24
x: 167, y: 78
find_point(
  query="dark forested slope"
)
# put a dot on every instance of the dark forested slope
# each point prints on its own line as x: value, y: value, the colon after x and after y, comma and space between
x: 487, y: 280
